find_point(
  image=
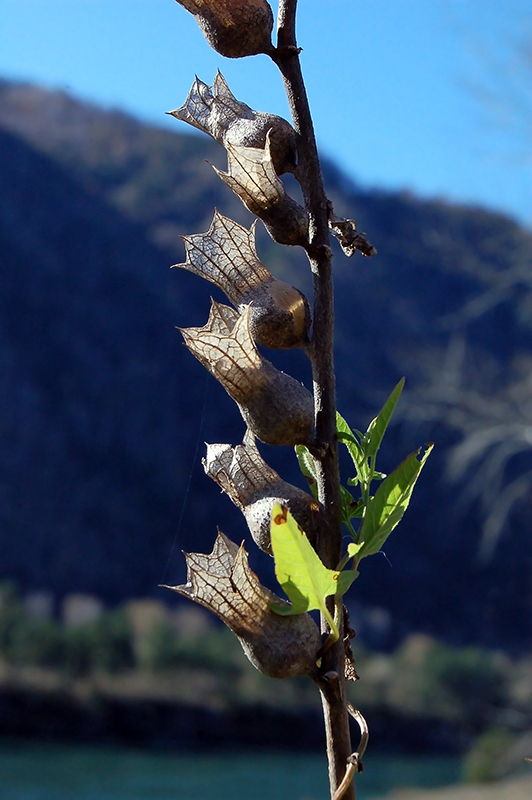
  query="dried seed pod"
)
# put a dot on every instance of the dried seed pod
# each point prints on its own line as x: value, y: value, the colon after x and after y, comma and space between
x: 276, y: 408
x: 254, y: 487
x: 217, y: 112
x: 222, y: 582
x: 234, y: 28
x: 226, y: 256
x: 251, y: 175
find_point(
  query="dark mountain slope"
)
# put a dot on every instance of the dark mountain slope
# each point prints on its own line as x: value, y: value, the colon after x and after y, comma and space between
x: 102, y: 407
x: 96, y: 388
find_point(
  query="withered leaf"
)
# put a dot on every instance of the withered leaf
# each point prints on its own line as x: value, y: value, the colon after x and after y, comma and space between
x: 251, y: 175
x: 224, y: 583
x: 240, y: 471
x: 349, y: 239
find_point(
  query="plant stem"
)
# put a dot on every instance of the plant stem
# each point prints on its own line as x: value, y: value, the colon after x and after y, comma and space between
x: 331, y: 682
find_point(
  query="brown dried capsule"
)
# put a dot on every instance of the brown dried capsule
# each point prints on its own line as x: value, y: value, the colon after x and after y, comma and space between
x: 234, y: 28
x: 251, y: 175
x: 226, y: 256
x: 217, y: 112
x: 254, y: 487
x: 276, y: 408
x: 222, y: 582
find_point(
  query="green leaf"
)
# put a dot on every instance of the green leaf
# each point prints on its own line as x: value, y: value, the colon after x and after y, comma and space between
x: 346, y: 435
x: 351, y: 438
x: 378, y: 476
x: 353, y: 549
x: 377, y: 427
x: 299, y: 570
x: 307, y: 467
x: 349, y: 505
x: 390, y: 503
x: 345, y: 579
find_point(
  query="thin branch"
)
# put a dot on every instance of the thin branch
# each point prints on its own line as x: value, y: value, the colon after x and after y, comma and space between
x: 364, y: 733
x: 308, y: 173
x: 320, y: 256
x: 354, y: 762
x: 347, y: 779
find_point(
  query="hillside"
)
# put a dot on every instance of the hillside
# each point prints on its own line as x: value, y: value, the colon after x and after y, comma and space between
x: 102, y: 408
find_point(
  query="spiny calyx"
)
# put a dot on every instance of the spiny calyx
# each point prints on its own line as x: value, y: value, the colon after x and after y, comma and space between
x: 223, y: 582
x: 255, y: 488
x: 276, y: 408
x: 252, y: 177
x: 216, y: 111
x: 227, y: 257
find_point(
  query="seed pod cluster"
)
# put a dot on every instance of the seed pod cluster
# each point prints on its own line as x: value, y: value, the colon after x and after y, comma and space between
x: 265, y: 311
x: 226, y: 256
x: 260, y: 147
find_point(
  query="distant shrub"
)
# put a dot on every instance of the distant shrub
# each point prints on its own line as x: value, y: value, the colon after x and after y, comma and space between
x: 482, y: 763
x: 11, y: 615
x: 464, y: 686
x: 23, y: 638
x: 472, y: 680
x: 36, y: 642
x: 104, y: 644
x: 164, y: 649
x: 112, y: 642
x: 78, y: 647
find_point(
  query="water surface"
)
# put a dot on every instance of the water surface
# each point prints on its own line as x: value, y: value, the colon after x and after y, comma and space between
x: 59, y: 772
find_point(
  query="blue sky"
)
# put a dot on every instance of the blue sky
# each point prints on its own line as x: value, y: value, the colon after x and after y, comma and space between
x: 398, y: 88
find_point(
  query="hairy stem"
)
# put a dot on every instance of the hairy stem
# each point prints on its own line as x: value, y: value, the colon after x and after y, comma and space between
x: 332, y: 681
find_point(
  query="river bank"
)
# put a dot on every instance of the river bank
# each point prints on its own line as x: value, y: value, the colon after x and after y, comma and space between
x: 148, y: 675
x: 512, y: 789
x: 184, y: 710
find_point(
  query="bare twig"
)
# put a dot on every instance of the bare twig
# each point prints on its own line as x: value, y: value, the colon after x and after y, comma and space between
x: 364, y: 733
x: 354, y: 762
x: 347, y: 779
x: 319, y: 253
x: 349, y: 239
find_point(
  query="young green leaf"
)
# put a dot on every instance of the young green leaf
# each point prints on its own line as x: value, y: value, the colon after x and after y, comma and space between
x: 353, y: 549
x: 346, y: 435
x: 349, y: 505
x: 390, y: 503
x: 377, y: 427
x: 299, y: 570
x: 379, y: 476
x: 307, y: 467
